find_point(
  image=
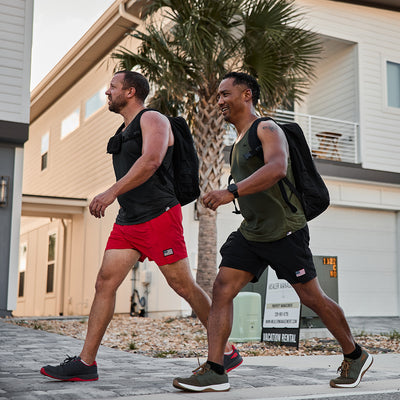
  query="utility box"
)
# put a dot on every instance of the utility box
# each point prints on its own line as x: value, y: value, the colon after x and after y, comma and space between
x: 247, y: 321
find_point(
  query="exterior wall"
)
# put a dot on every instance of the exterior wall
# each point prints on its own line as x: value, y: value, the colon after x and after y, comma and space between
x: 77, y: 164
x: 15, y: 58
x: 334, y: 91
x: 377, y: 34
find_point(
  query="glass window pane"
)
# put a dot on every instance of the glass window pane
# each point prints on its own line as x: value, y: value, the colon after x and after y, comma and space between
x: 45, y: 144
x: 44, y: 162
x: 70, y: 123
x: 52, y: 247
x: 95, y: 102
x: 393, y: 84
x: 22, y: 257
x: 50, y: 278
x: 21, y: 284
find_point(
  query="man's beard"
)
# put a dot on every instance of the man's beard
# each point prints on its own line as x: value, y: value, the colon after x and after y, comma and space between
x: 117, y: 105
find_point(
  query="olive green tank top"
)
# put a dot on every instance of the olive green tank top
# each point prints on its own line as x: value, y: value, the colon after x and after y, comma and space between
x: 267, y: 217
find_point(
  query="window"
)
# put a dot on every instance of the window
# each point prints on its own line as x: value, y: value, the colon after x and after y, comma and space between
x: 70, y: 123
x: 22, y: 269
x: 51, y: 257
x: 97, y: 101
x: 44, y: 151
x: 393, y: 84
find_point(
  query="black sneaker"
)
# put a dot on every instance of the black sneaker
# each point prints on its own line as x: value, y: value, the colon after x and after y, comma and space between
x: 233, y: 360
x: 71, y: 369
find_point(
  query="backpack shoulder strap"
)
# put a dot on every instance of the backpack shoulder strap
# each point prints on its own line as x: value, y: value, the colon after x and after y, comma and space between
x: 254, y: 141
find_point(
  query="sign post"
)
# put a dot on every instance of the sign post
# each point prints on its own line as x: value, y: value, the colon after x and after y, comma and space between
x: 281, y: 322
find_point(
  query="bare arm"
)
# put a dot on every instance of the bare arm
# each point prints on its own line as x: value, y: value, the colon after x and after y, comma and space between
x: 275, y: 151
x: 155, y: 134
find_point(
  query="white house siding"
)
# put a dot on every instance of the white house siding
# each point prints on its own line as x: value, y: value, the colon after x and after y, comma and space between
x: 334, y: 91
x: 377, y: 34
x: 15, y: 57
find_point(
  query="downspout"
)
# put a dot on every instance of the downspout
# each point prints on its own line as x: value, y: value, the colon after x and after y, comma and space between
x: 64, y: 260
x: 124, y: 14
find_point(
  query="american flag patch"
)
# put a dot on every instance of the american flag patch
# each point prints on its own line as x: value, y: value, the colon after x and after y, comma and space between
x: 300, y: 272
x: 168, y: 252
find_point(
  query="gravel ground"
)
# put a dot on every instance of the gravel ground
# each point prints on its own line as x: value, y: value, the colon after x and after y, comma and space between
x: 186, y: 337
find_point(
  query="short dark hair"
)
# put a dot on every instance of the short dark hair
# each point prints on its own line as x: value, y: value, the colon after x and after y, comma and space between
x: 136, y: 80
x: 241, y: 78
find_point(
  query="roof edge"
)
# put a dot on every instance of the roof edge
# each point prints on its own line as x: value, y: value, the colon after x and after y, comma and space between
x: 94, y: 45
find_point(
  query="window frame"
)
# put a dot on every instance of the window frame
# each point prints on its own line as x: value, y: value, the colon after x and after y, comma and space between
x: 51, y: 263
x: 44, y: 155
x: 385, y: 103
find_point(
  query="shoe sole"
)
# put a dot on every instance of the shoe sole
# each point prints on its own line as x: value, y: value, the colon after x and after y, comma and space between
x: 364, y: 369
x: 72, y: 379
x: 235, y: 366
x: 221, y: 387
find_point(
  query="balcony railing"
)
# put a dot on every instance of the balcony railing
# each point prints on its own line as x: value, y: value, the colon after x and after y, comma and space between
x: 328, y: 138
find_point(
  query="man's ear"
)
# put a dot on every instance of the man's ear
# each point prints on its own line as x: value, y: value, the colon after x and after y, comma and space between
x: 248, y: 95
x: 131, y: 92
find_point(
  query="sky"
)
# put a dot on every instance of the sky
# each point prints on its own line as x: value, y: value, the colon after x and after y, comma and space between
x: 57, y: 26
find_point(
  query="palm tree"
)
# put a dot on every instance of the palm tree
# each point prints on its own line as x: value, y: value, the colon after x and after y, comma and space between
x: 187, y: 46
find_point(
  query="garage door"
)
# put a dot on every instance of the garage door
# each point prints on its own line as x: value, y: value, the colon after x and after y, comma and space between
x: 365, y: 243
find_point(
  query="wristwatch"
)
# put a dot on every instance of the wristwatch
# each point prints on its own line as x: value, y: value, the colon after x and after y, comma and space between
x: 234, y: 190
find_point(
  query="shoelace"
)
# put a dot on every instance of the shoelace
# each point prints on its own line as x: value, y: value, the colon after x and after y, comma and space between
x: 201, y: 369
x: 68, y: 359
x: 344, y: 368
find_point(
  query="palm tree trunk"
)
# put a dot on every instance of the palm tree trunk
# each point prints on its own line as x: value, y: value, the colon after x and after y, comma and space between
x: 208, y: 137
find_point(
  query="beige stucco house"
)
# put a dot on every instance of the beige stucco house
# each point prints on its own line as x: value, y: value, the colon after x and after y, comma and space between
x: 351, y: 118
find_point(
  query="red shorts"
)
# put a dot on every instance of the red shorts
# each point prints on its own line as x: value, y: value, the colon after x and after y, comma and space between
x: 160, y: 239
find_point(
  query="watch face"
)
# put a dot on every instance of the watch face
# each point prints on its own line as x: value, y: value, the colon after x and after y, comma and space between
x: 233, y: 189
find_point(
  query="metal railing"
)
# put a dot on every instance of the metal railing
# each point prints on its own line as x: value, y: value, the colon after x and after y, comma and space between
x: 328, y: 138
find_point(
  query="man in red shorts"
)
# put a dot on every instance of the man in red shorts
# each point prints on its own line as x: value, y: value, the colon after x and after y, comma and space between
x: 148, y: 225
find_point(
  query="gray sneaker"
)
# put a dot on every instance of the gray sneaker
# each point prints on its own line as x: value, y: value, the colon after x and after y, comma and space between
x: 351, y: 371
x: 204, y: 379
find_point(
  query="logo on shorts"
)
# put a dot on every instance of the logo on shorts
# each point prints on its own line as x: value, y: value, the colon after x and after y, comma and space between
x: 168, y: 252
x: 300, y: 272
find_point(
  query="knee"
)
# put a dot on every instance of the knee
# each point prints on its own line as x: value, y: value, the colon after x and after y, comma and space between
x: 182, y: 290
x: 223, y: 291
x: 318, y: 303
x: 182, y: 286
x: 104, y: 284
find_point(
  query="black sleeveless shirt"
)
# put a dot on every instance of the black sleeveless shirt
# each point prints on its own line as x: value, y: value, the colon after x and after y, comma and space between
x: 153, y: 197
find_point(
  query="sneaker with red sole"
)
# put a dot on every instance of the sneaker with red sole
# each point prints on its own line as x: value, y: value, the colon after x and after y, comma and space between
x: 71, y: 369
x: 232, y: 360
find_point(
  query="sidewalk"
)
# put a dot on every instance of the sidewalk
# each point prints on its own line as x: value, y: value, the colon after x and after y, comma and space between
x: 134, y: 377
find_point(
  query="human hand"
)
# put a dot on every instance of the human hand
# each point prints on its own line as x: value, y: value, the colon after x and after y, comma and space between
x: 100, y: 202
x: 216, y: 198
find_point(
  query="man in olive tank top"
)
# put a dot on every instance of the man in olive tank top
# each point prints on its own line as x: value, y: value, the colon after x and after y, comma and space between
x: 148, y: 224
x: 270, y: 234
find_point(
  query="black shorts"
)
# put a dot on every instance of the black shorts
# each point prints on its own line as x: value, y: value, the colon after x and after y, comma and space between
x: 290, y: 257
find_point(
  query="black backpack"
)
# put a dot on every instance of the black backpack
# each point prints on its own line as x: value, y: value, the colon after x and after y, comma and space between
x: 309, y: 187
x: 185, y: 163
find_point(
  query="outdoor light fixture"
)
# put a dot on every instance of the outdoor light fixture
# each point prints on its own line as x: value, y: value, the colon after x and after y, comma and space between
x: 4, y: 191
